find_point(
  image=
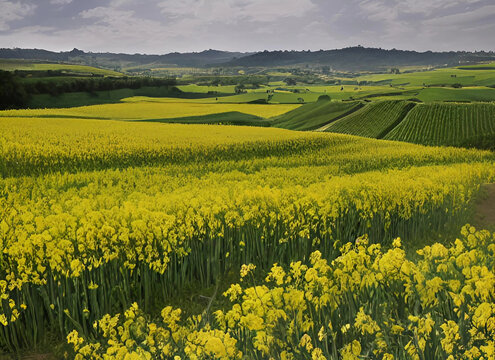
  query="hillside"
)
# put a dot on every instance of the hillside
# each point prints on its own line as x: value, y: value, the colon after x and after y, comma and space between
x: 471, y: 125
x: 315, y: 115
x: 374, y: 120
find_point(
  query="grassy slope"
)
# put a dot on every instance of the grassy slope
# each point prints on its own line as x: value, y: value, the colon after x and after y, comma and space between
x: 75, y: 99
x: 315, y: 115
x: 228, y: 118
x: 11, y: 65
x: 374, y: 120
x: 450, y: 94
x: 447, y: 76
x: 447, y: 124
x: 227, y: 89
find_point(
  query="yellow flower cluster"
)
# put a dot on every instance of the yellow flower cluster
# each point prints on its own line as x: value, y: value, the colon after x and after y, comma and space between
x: 367, y: 303
x: 131, y: 337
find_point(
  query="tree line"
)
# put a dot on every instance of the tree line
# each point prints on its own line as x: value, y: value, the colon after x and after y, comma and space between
x: 16, y: 93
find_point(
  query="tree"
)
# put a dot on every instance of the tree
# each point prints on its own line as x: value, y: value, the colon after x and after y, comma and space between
x: 290, y: 81
x: 13, y: 95
x: 239, y: 89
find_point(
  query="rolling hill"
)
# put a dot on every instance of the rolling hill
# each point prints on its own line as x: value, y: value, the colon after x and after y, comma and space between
x: 359, y: 58
x: 196, y: 59
x: 351, y: 58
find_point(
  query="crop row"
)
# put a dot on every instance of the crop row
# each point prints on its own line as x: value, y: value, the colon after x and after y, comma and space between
x: 446, y: 124
x: 374, y: 120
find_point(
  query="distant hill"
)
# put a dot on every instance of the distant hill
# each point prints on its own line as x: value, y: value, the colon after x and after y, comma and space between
x: 360, y: 58
x: 195, y: 59
x: 352, y: 58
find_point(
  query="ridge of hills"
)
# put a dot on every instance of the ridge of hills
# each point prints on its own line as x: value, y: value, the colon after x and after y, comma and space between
x: 351, y: 58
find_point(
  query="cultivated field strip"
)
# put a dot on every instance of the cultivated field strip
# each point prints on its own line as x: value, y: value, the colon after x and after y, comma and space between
x: 314, y: 116
x: 143, y: 110
x: 374, y: 120
x: 446, y: 124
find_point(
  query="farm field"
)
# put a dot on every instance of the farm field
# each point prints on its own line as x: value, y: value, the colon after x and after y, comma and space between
x: 12, y: 65
x: 122, y: 217
x: 78, y: 99
x: 447, y: 76
x: 475, y: 94
x: 374, y: 120
x: 438, y: 124
x: 142, y: 109
x: 314, y: 115
x: 448, y: 124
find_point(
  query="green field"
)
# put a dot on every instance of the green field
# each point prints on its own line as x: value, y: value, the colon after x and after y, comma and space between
x: 315, y: 115
x: 11, y: 65
x: 76, y: 99
x: 449, y: 94
x: 438, y: 124
x: 227, y: 118
x: 485, y: 66
x: 448, y: 124
x: 375, y: 120
x: 227, y: 89
x: 438, y: 77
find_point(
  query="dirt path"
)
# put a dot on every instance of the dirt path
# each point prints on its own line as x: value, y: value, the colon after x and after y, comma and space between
x: 485, y: 208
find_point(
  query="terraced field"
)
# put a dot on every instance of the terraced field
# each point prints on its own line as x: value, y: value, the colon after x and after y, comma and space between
x: 448, y: 124
x: 374, y: 120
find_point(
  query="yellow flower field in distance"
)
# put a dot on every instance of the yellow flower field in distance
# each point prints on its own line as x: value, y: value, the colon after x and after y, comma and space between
x: 143, y: 110
x: 55, y: 131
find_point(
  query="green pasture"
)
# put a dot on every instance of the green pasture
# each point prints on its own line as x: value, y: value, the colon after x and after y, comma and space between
x: 11, y: 65
x: 447, y: 76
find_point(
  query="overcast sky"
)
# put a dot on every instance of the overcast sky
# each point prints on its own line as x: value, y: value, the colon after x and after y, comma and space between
x: 162, y: 26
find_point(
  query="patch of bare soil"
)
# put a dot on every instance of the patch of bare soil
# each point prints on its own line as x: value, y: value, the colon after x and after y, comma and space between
x: 484, y: 215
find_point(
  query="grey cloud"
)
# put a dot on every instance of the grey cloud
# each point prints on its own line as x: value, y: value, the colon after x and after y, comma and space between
x: 60, y: 2
x: 158, y: 26
x: 13, y: 11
